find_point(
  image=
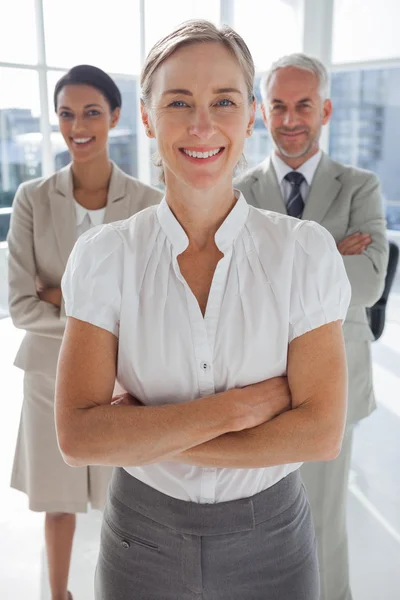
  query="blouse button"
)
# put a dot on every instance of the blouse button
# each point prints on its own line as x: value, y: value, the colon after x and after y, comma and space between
x: 125, y: 544
x: 204, y: 366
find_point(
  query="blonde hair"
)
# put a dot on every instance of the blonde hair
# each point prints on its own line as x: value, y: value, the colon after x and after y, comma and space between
x: 191, y: 32
x: 194, y: 32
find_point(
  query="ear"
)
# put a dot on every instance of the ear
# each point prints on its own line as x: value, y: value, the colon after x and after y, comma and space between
x: 264, y: 115
x: 146, y: 120
x: 326, y: 111
x: 250, y: 124
x: 115, y: 115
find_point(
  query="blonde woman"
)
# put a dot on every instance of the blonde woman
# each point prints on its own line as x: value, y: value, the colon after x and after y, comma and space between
x: 221, y: 323
x: 48, y: 216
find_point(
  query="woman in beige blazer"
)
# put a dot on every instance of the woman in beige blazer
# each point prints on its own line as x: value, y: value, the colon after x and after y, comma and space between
x: 48, y: 216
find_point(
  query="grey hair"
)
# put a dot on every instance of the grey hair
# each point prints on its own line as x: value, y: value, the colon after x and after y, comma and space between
x: 192, y: 32
x: 300, y: 61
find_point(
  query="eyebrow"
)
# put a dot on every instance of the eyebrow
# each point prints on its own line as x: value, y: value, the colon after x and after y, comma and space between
x: 277, y: 101
x: 226, y: 90
x: 86, y: 106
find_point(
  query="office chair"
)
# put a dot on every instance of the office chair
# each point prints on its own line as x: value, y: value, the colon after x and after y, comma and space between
x: 377, y: 313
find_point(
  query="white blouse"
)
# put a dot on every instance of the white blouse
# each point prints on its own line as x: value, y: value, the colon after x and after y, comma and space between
x: 86, y: 219
x: 279, y: 278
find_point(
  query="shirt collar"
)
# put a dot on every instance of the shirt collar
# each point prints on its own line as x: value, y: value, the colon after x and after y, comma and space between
x: 225, y: 236
x: 307, y: 169
x: 96, y: 216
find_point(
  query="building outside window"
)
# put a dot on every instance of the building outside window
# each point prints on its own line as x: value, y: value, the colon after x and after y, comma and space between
x: 365, y: 128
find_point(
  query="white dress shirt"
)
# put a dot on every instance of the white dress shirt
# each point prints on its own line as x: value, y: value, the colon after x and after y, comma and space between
x: 86, y: 219
x: 279, y: 278
x: 307, y: 170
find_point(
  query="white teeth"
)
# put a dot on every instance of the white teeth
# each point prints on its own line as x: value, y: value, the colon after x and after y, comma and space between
x: 201, y: 154
x: 81, y: 140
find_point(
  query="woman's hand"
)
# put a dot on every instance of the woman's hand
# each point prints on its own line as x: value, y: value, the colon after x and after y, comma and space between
x: 258, y: 403
x: 125, y: 399
x: 93, y: 431
x: 51, y: 295
x: 254, y: 404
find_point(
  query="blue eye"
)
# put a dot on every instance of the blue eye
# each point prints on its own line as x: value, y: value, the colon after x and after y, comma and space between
x: 225, y: 102
x: 64, y: 114
x: 178, y: 103
x: 93, y: 113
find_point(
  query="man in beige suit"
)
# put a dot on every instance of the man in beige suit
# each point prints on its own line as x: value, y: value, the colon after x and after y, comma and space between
x: 302, y: 181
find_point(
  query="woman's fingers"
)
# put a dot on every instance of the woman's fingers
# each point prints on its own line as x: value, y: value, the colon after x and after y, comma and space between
x: 125, y: 399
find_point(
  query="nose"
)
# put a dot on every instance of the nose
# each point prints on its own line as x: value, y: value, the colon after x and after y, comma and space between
x: 202, y: 125
x: 289, y: 119
x: 77, y: 125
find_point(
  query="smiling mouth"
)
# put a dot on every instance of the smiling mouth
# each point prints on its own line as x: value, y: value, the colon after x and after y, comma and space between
x: 292, y: 134
x: 81, y: 142
x: 202, y: 155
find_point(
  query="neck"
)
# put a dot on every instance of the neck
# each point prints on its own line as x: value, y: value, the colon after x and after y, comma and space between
x: 296, y: 163
x: 200, y: 212
x: 92, y: 176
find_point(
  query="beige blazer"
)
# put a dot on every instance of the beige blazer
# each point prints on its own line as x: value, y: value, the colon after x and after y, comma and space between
x: 344, y: 200
x: 41, y: 236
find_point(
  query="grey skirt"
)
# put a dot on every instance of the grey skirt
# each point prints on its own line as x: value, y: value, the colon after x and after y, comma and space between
x: 156, y: 547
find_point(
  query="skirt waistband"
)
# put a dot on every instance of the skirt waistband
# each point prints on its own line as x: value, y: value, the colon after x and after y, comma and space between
x: 204, y: 519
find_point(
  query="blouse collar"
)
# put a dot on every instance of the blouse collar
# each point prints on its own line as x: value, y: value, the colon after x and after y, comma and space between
x: 224, y: 237
x: 96, y: 216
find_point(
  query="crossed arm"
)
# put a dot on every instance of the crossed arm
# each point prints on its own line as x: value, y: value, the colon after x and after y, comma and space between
x: 31, y: 308
x: 278, y: 421
x: 311, y: 429
x: 365, y: 249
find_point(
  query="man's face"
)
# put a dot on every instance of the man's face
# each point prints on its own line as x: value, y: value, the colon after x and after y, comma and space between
x: 294, y: 113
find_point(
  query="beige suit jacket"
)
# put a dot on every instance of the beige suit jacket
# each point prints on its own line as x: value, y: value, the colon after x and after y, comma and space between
x: 41, y: 236
x: 344, y: 200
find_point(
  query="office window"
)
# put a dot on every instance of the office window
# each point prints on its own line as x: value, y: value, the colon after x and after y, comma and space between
x: 365, y: 30
x: 20, y: 136
x: 102, y: 34
x: 365, y: 128
x: 123, y: 139
x: 162, y: 17
x: 17, y: 32
x: 270, y: 28
x: 259, y: 145
x: 58, y: 146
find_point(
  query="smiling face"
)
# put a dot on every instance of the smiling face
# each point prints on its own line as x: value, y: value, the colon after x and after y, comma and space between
x: 294, y: 114
x: 85, y: 119
x: 199, y: 114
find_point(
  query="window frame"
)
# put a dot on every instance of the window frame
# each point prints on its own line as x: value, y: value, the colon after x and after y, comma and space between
x: 317, y: 30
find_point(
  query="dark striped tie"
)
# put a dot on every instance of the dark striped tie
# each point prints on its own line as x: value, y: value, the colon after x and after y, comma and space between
x: 295, y: 203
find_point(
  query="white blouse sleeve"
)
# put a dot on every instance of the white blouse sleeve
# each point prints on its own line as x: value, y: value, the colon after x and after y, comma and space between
x: 92, y: 281
x: 320, y: 290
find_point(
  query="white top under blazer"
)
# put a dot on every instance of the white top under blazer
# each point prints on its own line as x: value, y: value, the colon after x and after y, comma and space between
x: 279, y: 278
